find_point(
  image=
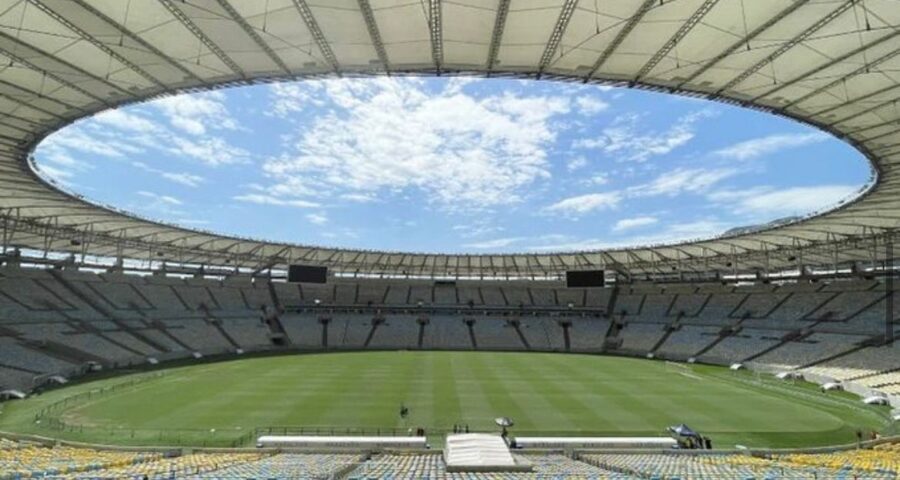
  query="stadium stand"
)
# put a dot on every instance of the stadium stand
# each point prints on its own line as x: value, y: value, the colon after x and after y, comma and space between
x: 737, y: 467
x: 796, y: 353
x: 62, y: 320
x: 59, y: 321
x: 639, y: 338
x: 20, y: 459
x: 588, y: 334
x: 867, y: 362
x: 287, y: 466
x: 686, y: 341
x: 431, y: 466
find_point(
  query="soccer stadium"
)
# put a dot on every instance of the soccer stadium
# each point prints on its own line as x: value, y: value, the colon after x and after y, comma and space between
x: 153, y: 349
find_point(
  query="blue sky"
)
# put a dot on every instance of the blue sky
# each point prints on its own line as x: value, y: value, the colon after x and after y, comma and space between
x: 451, y: 165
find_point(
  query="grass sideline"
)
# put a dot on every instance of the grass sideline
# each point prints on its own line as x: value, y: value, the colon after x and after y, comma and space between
x: 222, y: 404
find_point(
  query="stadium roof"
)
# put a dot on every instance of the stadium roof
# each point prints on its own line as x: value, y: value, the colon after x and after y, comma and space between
x: 831, y: 63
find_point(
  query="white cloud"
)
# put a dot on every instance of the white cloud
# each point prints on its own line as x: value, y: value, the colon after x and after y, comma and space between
x: 212, y: 151
x: 197, y: 113
x: 767, y: 201
x: 59, y: 164
x: 599, y: 179
x: 590, y: 105
x: 457, y: 84
x: 59, y: 174
x: 500, y: 243
x: 391, y: 134
x: 186, y: 179
x: 672, y: 233
x: 693, y: 230
x: 626, y: 139
x: 359, y: 197
x: 290, y: 98
x: 770, y: 144
x: 682, y: 180
x: 122, y: 120
x: 576, y: 163
x: 192, y: 221
x: 80, y: 140
x: 477, y: 228
x: 636, y: 222
x: 183, y: 178
x: 581, y: 204
x: 167, y: 199
x: 261, y: 199
x: 495, y: 243
x: 121, y: 134
x: 317, y: 218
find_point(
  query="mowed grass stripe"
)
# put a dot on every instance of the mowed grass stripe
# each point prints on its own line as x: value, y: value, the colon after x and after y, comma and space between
x: 502, y: 400
x: 554, y: 405
x: 476, y: 408
x: 626, y: 393
x: 585, y: 402
x: 443, y: 400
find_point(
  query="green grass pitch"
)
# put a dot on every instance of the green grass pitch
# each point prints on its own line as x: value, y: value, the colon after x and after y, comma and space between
x: 222, y: 403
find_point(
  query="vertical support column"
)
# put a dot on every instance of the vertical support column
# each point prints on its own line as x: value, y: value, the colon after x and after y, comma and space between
x: 6, y: 234
x: 889, y: 286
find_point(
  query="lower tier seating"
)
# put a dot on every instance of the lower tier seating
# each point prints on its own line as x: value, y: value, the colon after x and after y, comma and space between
x: 19, y: 460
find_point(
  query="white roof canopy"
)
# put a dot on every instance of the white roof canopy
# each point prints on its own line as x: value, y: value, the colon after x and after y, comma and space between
x: 832, y: 64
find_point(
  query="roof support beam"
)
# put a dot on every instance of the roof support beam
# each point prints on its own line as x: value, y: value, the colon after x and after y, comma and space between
x: 784, y: 47
x: 374, y: 33
x: 33, y: 107
x: 886, y: 147
x: 620, y: 37
x: 12, y: 140
x: 840, y: 80
x: 882, y: 135
x: 858, y: 100
x: 4, y: 123
x: 562, y: 22
x: 77, y: 70
x: 202, y: 37
x: 436, y: 32
x: 98, y: 44
x: 682, y: 32
x: 809, y: 73
x: 140, y: 41
x: 497, y: 35
x: 238, y: 19
x: 879, y: 216
x: 745, y: 40
x: 22, y: 119
x: 321, y: 42
x: 887, y: 123
x: 29, y: 91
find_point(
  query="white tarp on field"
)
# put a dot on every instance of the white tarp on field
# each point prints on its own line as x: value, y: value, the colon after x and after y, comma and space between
x: 477, y: 450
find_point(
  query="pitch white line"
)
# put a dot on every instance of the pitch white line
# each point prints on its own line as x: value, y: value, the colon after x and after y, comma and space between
x: 689, y: 375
